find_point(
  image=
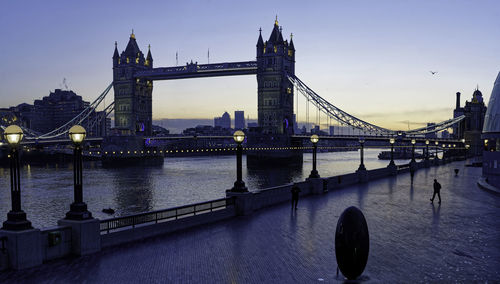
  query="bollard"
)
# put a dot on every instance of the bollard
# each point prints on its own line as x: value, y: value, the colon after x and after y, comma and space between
x: 352, y: 243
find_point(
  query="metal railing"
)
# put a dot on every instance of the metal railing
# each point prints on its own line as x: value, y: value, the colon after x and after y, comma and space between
x: 108, y: 225
x: 403, y: 166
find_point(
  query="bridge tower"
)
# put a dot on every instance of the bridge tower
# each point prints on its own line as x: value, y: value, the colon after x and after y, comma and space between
x: 275, y: 59
x: 133, y: 105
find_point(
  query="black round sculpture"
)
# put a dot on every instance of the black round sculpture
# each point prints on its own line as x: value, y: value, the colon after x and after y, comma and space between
x: 352, y: 243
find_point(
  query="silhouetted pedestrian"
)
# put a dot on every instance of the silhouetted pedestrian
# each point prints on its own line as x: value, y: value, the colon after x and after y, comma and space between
x: 437, y: 189
x: 295, y: 196
x: 456, y: 171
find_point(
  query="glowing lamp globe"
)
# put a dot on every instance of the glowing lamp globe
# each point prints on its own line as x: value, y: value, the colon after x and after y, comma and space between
x: 437, y: 143
x: 392, y: 140
x: 426, y: 142
x: 13, y: 134
x: 77, y: 134
x: 413, y: 141
x: 314, y: 138
x: 239, y: 136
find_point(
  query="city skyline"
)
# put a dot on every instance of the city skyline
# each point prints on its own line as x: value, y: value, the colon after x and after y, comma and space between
x: 378, y: 54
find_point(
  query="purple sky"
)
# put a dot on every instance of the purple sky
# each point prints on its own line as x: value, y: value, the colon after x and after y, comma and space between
x: 370, y: 58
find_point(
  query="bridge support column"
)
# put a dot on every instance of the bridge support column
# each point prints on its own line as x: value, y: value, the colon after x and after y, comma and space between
x: 243, y: 202
x: 85, y: 235
x: 22, y: 248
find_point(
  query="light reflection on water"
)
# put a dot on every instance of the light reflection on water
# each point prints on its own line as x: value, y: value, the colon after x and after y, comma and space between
x: 47, y: 190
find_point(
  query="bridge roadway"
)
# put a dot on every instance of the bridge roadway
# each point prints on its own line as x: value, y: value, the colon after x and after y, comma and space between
x: 411, y: 240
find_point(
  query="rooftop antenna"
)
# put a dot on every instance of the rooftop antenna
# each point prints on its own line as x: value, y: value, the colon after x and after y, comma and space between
x: 176, y: 59
x: 208, y: 55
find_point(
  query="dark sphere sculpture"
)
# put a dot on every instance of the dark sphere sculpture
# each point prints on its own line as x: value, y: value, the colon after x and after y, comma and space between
x: 352, y: 243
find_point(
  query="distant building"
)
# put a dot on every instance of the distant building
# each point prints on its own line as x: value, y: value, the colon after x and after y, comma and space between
x: 470, y: 128
x: 445, y: 134
x: 224, y: 121
x: 207, y: 130
x: 239, y: 119
x: 57, y: 109
x: 433, y: 134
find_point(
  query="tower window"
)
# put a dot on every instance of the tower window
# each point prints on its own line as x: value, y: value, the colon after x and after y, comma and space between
x: 119, y: 60
x: 275, y: 49
x: 290, y: 52
x: 128, y: 60
x: 289, y: 90
x: 146, y: 63
x: 137, y: 60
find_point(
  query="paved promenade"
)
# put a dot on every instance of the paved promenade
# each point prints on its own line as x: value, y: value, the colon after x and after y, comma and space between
x: 411, y: 240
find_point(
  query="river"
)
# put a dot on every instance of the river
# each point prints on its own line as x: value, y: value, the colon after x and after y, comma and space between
x: 47, y: 191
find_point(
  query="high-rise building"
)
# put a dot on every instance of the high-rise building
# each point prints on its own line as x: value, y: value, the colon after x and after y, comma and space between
x: 58, y: 108
x: 239, y: 119
x: 224, y: 121
x: 332, y: 130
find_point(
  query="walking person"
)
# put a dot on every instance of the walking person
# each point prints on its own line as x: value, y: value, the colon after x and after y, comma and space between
x: 295, y: 196
x: 437, y: 189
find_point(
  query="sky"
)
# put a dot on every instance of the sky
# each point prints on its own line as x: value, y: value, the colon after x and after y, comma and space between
x: 369, y: 58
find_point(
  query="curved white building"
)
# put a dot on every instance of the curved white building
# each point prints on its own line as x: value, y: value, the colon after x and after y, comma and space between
x: 491, y: 136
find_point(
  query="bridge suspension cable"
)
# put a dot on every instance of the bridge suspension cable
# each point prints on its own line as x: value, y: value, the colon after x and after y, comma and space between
x: 355, y: 123
x: 82, y: 116
x: 333, y: 111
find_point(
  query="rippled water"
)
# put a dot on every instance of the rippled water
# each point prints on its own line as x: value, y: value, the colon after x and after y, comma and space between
x: 47, y: 190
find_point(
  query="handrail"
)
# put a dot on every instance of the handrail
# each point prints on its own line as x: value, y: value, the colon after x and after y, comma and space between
x: 170, y: 213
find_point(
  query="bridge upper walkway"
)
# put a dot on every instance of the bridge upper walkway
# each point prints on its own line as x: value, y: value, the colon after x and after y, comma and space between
x: 193, y: 70
x: 410, y: 240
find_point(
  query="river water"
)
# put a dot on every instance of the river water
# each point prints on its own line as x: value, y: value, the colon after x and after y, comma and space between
x: 47, y: 191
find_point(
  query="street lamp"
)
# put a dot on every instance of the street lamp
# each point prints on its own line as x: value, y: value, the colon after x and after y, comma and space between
x: 239, y: 184
x: 437, y: 146
x: 466, y: 150
x: 16, y: 218
x: 426, y: 150
x: 392, y: 140
x: 362, y: 144
x: 314, y: 172
x: 413, y: 150
x: 78, y: 209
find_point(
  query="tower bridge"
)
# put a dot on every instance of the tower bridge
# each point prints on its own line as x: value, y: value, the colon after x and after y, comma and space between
x: 277, y: 85
x: 133, y: 76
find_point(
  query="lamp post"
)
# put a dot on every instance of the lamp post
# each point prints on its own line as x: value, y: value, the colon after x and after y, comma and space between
x: 362, y: 144
x: 392, y: 140
x: 413, y: 150
x: 16, y: 218
x: 467, y: 146
x: 78, y: 209
x: 239, y: 184
x: 314, y: 172
x: 437, y: 146
x: 426, y: 150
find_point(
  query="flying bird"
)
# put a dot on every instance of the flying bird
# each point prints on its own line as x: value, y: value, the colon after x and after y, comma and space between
x: 433, y: 72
